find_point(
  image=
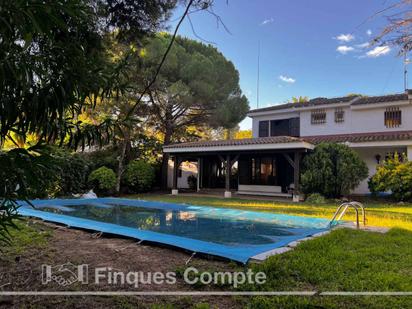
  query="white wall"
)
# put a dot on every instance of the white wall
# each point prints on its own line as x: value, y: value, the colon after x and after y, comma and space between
x: 328, y: 128
x: 188, y: 168
x: 368, y: 155
x: 363, y: 119
x: 372, y: 120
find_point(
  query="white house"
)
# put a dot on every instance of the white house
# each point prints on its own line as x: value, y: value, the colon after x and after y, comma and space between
x: 374, y: 126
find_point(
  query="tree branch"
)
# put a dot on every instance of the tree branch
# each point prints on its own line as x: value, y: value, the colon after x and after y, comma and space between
x: 159, y: 67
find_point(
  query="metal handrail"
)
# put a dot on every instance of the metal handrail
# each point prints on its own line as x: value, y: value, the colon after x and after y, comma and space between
x: 345, y: 206
x: 360, y: 205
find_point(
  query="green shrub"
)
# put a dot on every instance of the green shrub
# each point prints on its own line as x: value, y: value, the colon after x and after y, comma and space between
x: 332, y: 170
x: 315, y: 198
x: 395, y: 175
x: 103, y: 180
x: 73, y: 176
x: 192, y: 182
x: 139, y: 176
x: 71, y: 173
x: 102, y: 157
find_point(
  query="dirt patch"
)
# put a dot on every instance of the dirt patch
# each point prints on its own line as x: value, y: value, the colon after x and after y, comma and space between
x: 23, y: 272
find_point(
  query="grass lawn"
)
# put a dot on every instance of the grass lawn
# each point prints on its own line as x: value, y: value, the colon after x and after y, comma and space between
x: 344, y: 260
x: 379, y: 213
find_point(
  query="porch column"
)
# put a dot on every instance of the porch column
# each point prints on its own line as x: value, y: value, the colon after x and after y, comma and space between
x: 409, y: 153
x: 228, y: 194
x: 175, y: 191
x: 199, y: 169
x: 296, y: 176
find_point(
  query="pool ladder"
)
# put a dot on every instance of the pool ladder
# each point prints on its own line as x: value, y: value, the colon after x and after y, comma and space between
x: 340, y: 213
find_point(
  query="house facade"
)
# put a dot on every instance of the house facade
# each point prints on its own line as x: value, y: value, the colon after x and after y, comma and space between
x: 269, y: 163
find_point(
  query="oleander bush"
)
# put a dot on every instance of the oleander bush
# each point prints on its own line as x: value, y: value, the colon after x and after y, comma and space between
x: 139, y: 176
x: 393, y: 175
x: 103, y: 180
x: 332, y: 170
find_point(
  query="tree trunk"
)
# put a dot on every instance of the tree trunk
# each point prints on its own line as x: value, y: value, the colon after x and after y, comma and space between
x: 165, y: 159
x: 120, y: 167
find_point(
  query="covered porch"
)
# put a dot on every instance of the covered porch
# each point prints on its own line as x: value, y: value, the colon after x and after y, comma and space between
x: 259, y: 166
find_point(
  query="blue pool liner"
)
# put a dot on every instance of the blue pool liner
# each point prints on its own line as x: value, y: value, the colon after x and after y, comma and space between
x: 241, y: 253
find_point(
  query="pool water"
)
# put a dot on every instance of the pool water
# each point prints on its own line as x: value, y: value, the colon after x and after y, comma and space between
x: 227, y: 231
x: 221, y: 231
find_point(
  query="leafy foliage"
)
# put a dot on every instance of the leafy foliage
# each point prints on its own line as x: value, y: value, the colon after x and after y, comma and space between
x: 8, y: 213
x: 299, y: 99
x: 315, y: 198
x: 72, y: 173
x: 139, y: 176
x: 241, y: 134
x: 395, y: 175
x: 197, y: 84
x: 103, y: 180
x: 332, y: 170
x: 53, y: 65
x: 103, y: 157
x: 134, y: 19
x: 24, y: 174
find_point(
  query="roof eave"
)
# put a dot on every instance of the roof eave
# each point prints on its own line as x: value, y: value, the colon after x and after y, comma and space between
x: 267, y: 146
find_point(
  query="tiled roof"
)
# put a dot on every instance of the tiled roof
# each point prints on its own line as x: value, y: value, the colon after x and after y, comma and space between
x: 353, y: 100
x: 339, y: 138
x: 324, y: 101
x: 360, y: 137
x: 238, y: 142
x: 381, y: 99
x: 273, y: 108
x: 312, y: 102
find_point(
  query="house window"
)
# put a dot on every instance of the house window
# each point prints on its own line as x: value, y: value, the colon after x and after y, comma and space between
x: 393, y: 117
x: 263, y: 171
x: 318, y: 116
x: 263, y: 128
x: 339, y: 115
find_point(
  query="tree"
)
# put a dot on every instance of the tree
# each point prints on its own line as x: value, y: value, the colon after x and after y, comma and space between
x: 52, y: 66
x: 300, y: 99
x: 241, y: 134
x: 53, y: 62
x: 196, y: 86
x: 394, y: 175
x: 398, y: 32
x: 332, y: 170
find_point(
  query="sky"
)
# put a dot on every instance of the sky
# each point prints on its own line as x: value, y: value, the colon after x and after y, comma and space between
x: 316, y: 48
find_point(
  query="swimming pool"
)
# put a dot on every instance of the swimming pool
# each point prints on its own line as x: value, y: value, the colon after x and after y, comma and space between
x: 231, y: 233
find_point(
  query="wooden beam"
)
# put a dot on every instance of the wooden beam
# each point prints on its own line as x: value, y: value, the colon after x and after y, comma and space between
x: 175, y: 171
x: 296, y: 173
x: 228, y: 168
x: 199, y: 168
x: 289, y: 159
x: 234, y: 160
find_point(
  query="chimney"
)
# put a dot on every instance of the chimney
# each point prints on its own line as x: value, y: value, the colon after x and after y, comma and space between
x: 409, y: 93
